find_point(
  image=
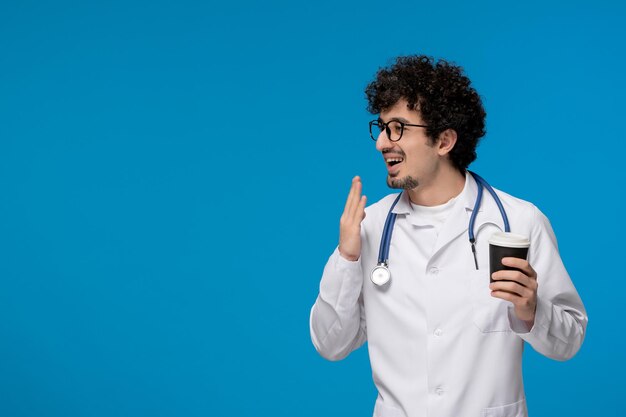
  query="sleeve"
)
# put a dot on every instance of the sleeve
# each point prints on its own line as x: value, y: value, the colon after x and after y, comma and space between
x: 337, y: 320
x: 560, y: 318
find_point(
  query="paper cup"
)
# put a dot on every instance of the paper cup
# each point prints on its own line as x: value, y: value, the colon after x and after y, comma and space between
x: 503, y: 245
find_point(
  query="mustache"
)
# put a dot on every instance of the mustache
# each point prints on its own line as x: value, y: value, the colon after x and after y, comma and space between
x: 394, y: 153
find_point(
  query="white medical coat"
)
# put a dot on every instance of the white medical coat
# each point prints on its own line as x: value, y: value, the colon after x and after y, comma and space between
x: 439, y: 344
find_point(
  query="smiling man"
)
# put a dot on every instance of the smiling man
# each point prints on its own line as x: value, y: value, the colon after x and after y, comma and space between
x: 443, y: 341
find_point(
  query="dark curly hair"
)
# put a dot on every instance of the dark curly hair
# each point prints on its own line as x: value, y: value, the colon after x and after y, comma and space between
x: 441, y: 93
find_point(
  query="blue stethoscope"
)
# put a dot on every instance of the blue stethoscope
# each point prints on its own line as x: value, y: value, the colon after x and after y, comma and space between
x: 381, y: 275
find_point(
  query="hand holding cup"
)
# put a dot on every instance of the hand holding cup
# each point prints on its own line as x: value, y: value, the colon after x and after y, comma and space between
x: 512, y: 277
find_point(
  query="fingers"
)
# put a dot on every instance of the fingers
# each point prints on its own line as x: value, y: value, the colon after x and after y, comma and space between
x: 521, y: 264
x: 354, y: 193
x: 522, y: 302
x: 355, y: 204
x: 524, y: 274
x: 517, y: 286
x: 514, y: 276
x: 507, y: 296
x: 513, y: 288
x: 350, y: 222
x: 361, y: 208
x: 525, y: 307
x: 520, y: 287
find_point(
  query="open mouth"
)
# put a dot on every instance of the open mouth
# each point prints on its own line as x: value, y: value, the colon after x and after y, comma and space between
x: 392, y: 162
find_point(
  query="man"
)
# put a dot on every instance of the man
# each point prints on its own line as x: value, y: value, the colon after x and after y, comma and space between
x: 442, y: 339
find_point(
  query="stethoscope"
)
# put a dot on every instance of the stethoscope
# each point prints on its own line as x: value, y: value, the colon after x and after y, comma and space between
x: 381, y: 275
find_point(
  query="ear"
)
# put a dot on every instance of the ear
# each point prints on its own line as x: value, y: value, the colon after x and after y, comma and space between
x: 446, y: 141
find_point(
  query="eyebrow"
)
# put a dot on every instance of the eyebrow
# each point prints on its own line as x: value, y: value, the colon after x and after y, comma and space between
x: 397, y: 119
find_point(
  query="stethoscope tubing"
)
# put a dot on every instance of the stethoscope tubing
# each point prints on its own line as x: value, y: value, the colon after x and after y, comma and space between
x: 480, y: 181
x: 385, y: 241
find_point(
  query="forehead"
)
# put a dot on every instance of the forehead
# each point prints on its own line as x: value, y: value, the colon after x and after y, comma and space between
x: 401, y: 111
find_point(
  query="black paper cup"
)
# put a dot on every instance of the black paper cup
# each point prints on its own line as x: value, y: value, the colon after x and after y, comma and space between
x: 503, y: 245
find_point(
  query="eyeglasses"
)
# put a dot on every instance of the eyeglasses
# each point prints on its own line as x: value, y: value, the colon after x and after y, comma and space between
x: 393, y: 128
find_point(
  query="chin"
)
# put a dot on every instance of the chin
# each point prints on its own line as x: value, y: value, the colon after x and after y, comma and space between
x: 403, y: 183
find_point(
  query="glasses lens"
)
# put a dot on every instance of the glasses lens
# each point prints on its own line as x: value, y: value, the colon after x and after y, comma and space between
x: 394, y: 130
x: 375, y: 129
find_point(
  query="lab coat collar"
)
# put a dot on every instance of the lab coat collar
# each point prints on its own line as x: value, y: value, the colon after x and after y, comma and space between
x: 458, y: 220
x: 466, y: 198
x: 404, y: 207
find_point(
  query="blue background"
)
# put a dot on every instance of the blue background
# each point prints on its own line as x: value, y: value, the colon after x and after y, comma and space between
x: 172, y: 176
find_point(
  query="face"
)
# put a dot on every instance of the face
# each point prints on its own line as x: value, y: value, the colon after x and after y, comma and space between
x: 413, y: 160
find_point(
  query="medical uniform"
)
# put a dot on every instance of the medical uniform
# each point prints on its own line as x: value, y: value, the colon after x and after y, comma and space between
x: 439, y: 344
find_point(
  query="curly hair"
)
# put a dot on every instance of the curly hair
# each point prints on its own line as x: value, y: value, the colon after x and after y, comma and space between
x: 441, y: 93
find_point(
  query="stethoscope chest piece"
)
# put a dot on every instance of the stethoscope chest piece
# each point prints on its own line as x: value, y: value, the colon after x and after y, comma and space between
x: 380, y: 274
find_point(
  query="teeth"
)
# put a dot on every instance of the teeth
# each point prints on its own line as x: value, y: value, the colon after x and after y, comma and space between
x: 393, y: 160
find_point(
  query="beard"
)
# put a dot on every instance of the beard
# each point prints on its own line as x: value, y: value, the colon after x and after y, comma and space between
x: 405, y: 183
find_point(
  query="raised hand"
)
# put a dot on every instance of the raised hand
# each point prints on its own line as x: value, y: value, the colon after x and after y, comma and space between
x: 350, y: 223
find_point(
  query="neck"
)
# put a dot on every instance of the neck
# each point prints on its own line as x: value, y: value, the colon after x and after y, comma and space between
x: 446, y: 184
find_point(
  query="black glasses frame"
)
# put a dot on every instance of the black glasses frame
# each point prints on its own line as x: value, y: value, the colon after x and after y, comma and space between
x: 379, y: 123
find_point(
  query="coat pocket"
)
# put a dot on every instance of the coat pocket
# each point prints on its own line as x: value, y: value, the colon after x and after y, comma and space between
x: 489, y: 314
x: 517, y: 409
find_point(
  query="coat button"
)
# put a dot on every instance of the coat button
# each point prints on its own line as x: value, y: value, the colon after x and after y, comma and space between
x: 438, y: 332
x: 434, y: 270
x: 439, y: 391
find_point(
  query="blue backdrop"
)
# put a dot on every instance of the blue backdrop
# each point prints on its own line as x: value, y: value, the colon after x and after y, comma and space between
x: 172, y: 175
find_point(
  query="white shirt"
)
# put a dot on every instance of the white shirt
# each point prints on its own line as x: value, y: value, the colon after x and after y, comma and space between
x: 428, y: 223
x: 439, y: 344
x: 434, y: 216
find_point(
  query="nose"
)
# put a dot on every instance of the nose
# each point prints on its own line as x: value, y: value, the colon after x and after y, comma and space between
x: 383, y: 142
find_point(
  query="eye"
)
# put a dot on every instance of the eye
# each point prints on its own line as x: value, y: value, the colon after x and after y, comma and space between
x: 395, y: 127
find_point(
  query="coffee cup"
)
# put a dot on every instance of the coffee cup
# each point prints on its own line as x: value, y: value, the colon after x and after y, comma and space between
x: 505, y: 244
